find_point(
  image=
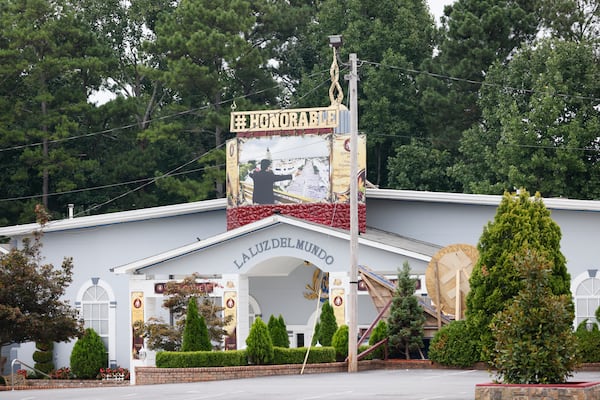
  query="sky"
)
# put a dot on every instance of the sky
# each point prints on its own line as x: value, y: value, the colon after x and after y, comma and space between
x: 437, y: 7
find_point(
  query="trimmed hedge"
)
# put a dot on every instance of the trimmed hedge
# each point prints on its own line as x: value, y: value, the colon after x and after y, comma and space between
x: 231, y: 358
x: 296, y: 355
x: 195, y: 359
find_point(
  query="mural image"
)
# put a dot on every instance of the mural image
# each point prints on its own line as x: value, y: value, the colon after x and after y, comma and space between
x: 283, y: 169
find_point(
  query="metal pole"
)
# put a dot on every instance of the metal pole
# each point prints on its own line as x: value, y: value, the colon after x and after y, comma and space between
x: 352, y: 296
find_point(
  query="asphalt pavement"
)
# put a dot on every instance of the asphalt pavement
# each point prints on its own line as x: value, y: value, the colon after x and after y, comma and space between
x: 413, y: 384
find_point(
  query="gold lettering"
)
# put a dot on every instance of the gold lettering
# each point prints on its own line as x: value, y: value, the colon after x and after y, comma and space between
x: 293, y: 120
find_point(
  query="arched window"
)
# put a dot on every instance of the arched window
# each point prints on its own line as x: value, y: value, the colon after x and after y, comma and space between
x: 586, y: 290
x: 97, y: 308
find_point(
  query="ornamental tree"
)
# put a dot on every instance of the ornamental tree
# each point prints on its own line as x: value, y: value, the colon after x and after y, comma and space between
x: 88, y: 355
x: 161, y: 335
x: 406, y: 321
x: 31, y: 304
x: 534, y: 341
x: 520, y: 222
x: 278, y: 331
x: 327, y: 324
x: 259, y: 345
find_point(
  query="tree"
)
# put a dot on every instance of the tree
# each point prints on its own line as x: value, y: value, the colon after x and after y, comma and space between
x: 88, y: 355
x: 327, y: 324
x: 195, y: 333
x: 406, y: 321
x: 419, y: 166
x: 541, y: 137
x: 389, y: 107
x: 259, y: 345
x: 31, y: 305
x: 534, y: 341
x: 520, y: 222
x: 278, y: 331
x: 53, y: 62
x: 167, y: 336
x: 474, y: 34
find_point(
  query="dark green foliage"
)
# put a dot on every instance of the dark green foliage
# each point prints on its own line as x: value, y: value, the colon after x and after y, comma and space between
x: 283, y: 339
x: 315, y: 337
x: 195, y: 333
x: 278, y: 331
x: 296, y: 355
x: 43, y: 357
x: 455, y: 345
x: 379, y: 333
x: 327, y: 324
x: 196, y: 359
x: 230, y: 358
x: 534, y: 342
x: 340, y: 343
x: 259, y: 345
x: 406, y: 321
x: 88, y: 355
x: 588, y: 342
x: 520, y: 222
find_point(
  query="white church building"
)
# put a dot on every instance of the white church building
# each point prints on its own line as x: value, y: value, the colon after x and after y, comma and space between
x: 268, y: 267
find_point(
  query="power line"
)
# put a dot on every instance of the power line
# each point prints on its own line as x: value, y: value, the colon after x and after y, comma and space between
x: 480, y: 83
x: 178, y: 114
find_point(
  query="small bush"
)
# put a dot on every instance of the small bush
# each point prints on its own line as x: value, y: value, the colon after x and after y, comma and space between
x: 454, y: 345
x: 88, y: 355
x: 339, y: 341
x: 259, y: 344
x: 379, y: 333
x: 588, y: 343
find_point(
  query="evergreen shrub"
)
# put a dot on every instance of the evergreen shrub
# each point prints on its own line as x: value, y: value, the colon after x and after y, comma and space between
x: 455, y: 345
x: 327, y: 324
x: 88, y: 355
x: 195, y: 333
x: 379, y: 333
x: 259, y: 345
x: 588, y: 342
x: 44, y: 358
x: 339, y: 341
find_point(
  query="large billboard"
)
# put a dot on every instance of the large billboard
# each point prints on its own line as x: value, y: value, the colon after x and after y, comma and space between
x: 303, y: 171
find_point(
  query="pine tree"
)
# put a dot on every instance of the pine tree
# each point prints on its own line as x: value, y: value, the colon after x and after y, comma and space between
x: 328, y: 324
x: 520, y: 222
x: 195, y: 333
x: 259, y: 345
x: 406, y: 321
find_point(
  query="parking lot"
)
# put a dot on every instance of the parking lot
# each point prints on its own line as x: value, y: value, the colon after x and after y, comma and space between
x: 413, y: 384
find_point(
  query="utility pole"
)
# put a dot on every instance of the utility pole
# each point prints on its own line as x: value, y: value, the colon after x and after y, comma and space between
x: 352, y: 296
